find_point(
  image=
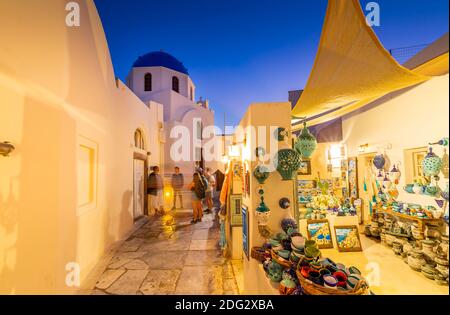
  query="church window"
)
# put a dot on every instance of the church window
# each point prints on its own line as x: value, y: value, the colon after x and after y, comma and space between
x: 148, y: 82
x: 175, y: 84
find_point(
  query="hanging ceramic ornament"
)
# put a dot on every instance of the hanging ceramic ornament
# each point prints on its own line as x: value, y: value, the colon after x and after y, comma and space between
x: 440, y: 202
x: 262, y: 211
x: 386, y: 182
x: 431, y: 164
x: 306, y: 143
x: 261, y: 173
x: 379, y: 161
x: 395, y: 174
x: 380, y: 177
x: 287, y: 162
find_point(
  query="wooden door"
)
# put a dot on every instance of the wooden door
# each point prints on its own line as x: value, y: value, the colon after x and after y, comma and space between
x: 138, y: 189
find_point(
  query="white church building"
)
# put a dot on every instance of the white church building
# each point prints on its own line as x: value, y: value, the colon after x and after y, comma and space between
x: 159, y: 77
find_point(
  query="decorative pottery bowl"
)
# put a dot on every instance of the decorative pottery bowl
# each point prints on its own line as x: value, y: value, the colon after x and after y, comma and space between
x: 440, y: 279
x: 409, y: 188
x: 353, y: 270
x: 330, y: 281
x: 341, y: 277
x: 294, y: 258
x: 431, y: 190
x: 341, y: 267
x: 324, y: 262
x: 274, y: 242
x: 429, y: 271
x: 276, y: 249
x: 312, y: 252
x: 310, y: 243
x: 281, y: 236
x: 286, y: 244
x: 397, y: 247
x: 298, y: 242
x: 416, y: 260
x: 352, y: 282
x: 324, y: 272
x: 287, y: 287
x: 275, y: 277
x: 315, y: 277
x: 284, y: 253
x: 305, y: 271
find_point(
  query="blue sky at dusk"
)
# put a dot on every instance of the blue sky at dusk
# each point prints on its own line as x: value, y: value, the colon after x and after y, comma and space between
x: 244, y: 51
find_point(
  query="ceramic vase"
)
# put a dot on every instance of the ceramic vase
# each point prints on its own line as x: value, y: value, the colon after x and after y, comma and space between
x: 431, y: 164
x: 261, y: 173
x: 287, y: 162
x: 306, y: 143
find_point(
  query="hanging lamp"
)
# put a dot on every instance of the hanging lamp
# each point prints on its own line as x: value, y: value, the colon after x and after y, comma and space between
x: 306, y: 143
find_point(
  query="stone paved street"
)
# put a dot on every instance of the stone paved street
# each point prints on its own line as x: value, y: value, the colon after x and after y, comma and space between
x: 169, y: 255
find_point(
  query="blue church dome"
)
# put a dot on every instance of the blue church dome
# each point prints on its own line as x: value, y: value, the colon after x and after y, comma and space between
x: 160, y: 59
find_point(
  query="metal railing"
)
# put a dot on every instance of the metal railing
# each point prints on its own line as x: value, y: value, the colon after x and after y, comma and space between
x: 403, y: 54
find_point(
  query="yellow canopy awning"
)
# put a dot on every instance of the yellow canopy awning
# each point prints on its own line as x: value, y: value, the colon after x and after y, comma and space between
x: 434, y: 67
x: 351, y: 68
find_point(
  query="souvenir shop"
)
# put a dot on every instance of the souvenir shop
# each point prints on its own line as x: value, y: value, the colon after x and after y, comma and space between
x: 345, y: 189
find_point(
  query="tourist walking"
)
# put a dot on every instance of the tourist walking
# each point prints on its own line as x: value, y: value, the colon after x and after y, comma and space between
x: 154, y: 190
x: 198, y: 192
x: 177, y: 185
x: 210, y: 190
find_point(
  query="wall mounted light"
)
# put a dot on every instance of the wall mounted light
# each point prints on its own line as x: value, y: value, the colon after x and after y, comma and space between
x: 6, y: 148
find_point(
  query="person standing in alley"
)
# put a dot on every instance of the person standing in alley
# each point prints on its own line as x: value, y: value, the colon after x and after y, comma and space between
x: 210, y: 190
x: 198, y: 192
x: 154, y: 190
x: 177, y: 185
